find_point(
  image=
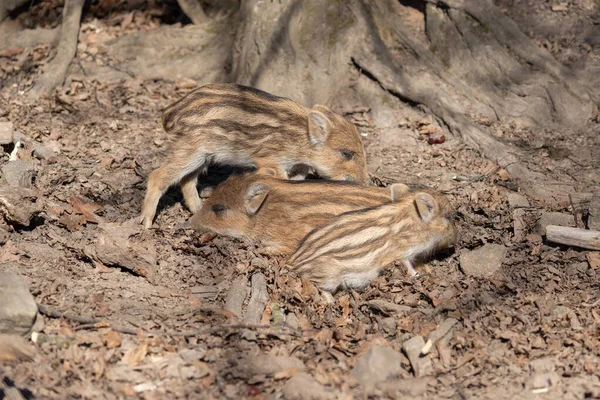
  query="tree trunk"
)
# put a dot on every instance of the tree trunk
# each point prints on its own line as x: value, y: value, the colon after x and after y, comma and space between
x: 471, y: 67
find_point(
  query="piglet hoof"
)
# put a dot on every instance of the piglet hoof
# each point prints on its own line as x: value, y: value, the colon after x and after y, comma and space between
x: 327, y: 297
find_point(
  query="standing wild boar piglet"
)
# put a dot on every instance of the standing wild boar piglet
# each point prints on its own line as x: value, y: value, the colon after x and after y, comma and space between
x: 352, y: 249
x: 277, y: 212
x: 233, y: 125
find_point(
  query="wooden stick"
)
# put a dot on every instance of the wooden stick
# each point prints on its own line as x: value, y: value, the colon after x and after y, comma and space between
x: 573, y: 237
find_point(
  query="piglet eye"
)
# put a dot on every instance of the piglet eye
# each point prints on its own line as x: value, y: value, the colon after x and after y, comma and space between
x: 218, y: 209
x: 347, y: 154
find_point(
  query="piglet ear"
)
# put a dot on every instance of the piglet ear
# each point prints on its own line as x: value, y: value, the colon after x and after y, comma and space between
x: 427, y: 207
x: 267, y: 172
x: 319, y: 126
x: 398, y: 190
x: 256, y: 196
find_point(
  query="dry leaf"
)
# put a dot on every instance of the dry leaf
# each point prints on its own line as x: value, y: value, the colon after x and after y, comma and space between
x: 134, y: 356
x: 8, y: 53
x: 266, y: 317
x: 113, y: 339
x: 503, y: 175
x: 14, y: 347
x: 127, y: 20
x: 308, y: 288
x: 207, y: 237
x: 86, y: 209
x: 72, y: 222
x: 9, y: 252
x: 593, y: 258
x: 285, y: 374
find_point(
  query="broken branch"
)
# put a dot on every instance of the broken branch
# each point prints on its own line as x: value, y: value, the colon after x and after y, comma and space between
x: 573, y: 237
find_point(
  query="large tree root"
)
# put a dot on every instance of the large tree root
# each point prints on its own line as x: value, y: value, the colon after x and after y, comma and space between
x: 193, y: 9
x: 56, y: 70
x: 27, y: 38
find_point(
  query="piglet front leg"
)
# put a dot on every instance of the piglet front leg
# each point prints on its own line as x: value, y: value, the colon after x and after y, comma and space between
x: 410, y: 269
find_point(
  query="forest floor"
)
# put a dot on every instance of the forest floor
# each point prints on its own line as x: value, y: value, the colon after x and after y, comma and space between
x: 529, y: 329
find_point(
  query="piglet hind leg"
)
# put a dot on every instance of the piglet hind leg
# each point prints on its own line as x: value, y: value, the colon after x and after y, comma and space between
x: 190, y: 192
x: 179, y: 165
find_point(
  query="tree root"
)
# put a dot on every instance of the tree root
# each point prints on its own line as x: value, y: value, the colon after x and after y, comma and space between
x: 101, y: 323
x: 508, y: 33
x: 193, y: 9
x: 14, y: 39
x: 56, y: 70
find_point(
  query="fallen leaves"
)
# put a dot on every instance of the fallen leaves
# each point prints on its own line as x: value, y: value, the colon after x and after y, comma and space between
x: 593, y: 258
x: 135, y: 355
x: 85, y: 209
x: 15, y: 348
x: 112, y: 339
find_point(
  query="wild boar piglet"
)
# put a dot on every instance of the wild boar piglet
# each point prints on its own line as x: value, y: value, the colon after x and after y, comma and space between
x: 234, y: 125
x: 279, y: 213
x: 352, y: 249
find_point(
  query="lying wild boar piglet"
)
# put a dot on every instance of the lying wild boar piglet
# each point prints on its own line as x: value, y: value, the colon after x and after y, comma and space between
x: 278, y: 212
x: 352, y: 249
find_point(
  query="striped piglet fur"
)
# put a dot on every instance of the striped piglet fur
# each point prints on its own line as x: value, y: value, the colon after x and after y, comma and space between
x: 352, y: 249
x: 239, y: 126
x: 280, y: 213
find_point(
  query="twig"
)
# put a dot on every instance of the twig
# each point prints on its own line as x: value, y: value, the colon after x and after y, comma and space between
x: 573, y: 209
x: 88, y: 322
x: 93, y: 323
x: 594, y: 304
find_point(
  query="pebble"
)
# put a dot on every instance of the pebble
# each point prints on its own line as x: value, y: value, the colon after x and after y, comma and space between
x: 516, y: 200
x: 421, y: 365
x: 377, y: 365
x: 6, y: 133
x: 594, y: 219
x: 553, y: 218
x: 17, y: 306
x: 484, y: 261
x: 302, y: 386
x: 19, y: 173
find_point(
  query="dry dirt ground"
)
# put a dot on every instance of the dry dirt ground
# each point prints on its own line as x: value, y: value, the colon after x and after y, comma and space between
x: 531, y: 329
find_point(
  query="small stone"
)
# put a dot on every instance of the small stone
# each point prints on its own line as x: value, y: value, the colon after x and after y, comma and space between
x: 192, y: 355
x: 553, y: 218
x: 376, y: 365
x: 6, y: 133
x: 17, y: 306
x: 292, y: 321
x: 258, y: 363
x: 46, y: 151
x: 484, y: 261
x: 19, y: 173
x: 18, y: 205
x: 542, y: 375
x: 421, y: 364
x: 519, y: 225
x: 594, y: 219
x: 388, y: 325
x: 302, y: 386
x: 516, y: 200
